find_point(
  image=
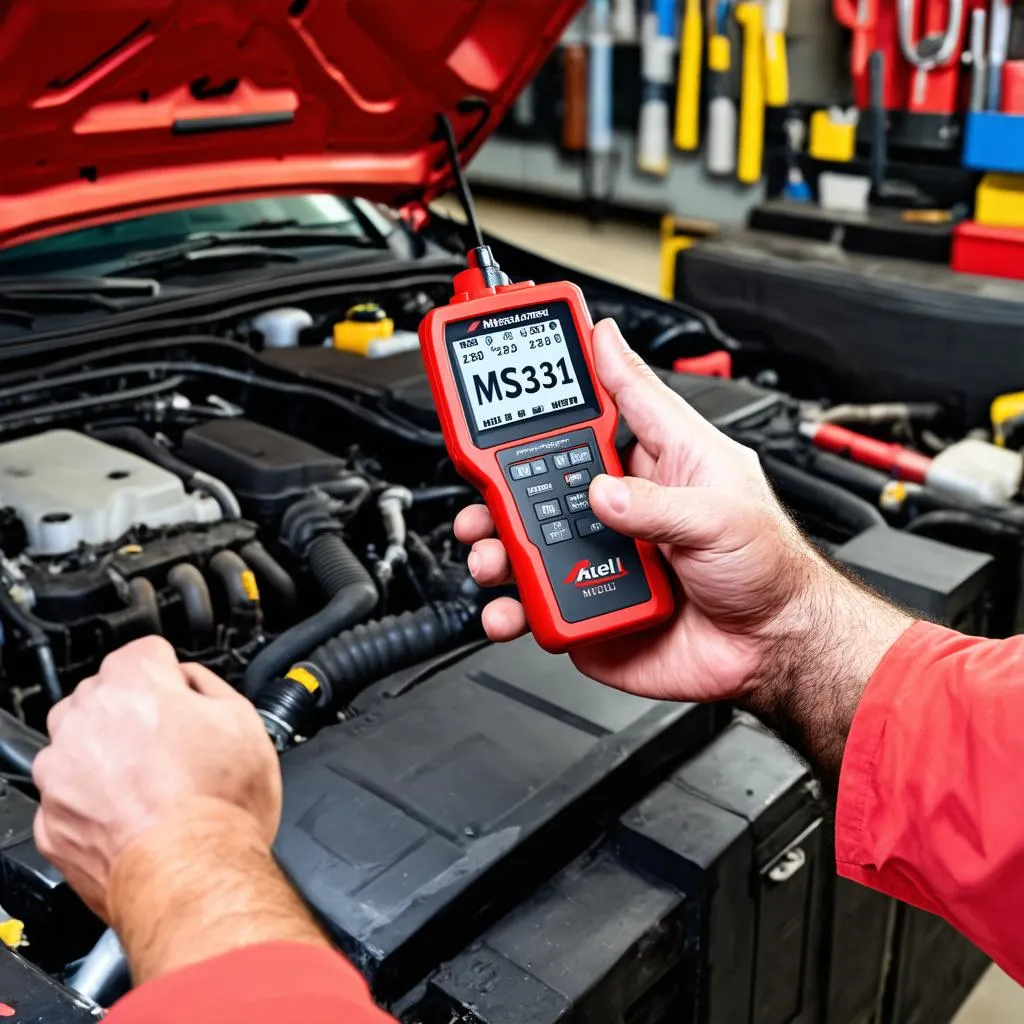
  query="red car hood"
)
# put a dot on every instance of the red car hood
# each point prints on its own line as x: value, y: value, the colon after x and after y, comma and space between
x: 118, y: 107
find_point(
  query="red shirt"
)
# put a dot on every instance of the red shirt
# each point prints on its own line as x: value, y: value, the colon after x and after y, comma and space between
x: 930, y: 811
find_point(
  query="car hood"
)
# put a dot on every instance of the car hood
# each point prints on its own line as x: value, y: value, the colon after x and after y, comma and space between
x: 119, y: 107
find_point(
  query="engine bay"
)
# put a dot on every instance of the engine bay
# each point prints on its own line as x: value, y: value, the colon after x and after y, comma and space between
x: 280, y: 510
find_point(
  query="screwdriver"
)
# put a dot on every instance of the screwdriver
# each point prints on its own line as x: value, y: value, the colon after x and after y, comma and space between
x: 721, y: 130
x: 750, y: 16
x: 688, y: 98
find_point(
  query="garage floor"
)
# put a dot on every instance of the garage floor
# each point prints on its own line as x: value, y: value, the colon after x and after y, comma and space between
x: 629, y: 253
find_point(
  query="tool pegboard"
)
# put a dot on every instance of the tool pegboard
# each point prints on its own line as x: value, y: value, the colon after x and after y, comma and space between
x: 543, y: 146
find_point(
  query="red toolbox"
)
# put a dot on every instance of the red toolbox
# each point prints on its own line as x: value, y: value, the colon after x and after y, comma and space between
x: 983, y: 249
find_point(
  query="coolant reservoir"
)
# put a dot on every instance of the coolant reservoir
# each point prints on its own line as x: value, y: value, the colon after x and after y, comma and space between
x: 368, y: 331
x: 977, y: 471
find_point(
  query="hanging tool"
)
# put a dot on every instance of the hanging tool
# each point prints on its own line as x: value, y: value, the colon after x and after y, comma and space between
x: 861, y: 18
x: 624, y: 21
x: 979, y: 59
x: 796, y: 188
x: 600, y: 139
x: 656, y: 48
x: 750, y: 17
x: 721, y: 128
x: 933, y: 55
x: 776, y: 63
x: 879, y: 154
x: 688, y: 84
x: 1000, y: 20
x: 574, y: 97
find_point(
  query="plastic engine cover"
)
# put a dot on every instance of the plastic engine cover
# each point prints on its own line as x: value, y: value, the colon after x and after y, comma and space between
x: 70, y: 489
x: 410, y: 826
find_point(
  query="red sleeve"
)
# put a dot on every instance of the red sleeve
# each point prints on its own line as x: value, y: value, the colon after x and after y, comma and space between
x: 264, y: 984
x: 930, y: 794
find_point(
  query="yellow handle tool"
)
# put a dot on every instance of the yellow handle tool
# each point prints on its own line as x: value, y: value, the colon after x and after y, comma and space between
x: 776, y: 64
x: 688, y: 99
x: 750, y: 16
x: 720, y: 148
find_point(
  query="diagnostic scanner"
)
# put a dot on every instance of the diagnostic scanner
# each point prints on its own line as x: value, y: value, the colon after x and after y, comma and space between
x: 527, y: 422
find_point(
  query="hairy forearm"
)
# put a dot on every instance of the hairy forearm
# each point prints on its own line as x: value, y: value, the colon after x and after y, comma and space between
x: 199, y: 885
x: 825, y: 649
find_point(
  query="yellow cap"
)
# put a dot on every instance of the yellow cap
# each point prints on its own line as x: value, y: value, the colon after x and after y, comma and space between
x: 249, y: 585
x: 362, y: 325
x: 12, y: 932
x: 301, y: 675
x: 1005, y: 407
x: 893, y: 495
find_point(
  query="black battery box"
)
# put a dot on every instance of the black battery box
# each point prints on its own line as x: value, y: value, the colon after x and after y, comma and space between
x: 447, y: 799
x: 58, y: 925
x: 36, y: 998
x: 702, y: 906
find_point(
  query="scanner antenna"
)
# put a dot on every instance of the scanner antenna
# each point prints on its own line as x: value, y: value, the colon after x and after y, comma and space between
x: 461, y: 185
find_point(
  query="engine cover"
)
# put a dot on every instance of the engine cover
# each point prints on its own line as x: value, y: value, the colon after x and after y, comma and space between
x: 69, y: 489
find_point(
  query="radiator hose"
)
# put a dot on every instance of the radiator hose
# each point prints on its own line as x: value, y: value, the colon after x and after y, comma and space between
x: 342, y: 667
x: 310, y: 530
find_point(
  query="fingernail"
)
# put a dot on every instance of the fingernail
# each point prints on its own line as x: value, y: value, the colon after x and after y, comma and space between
x: 614, y: 492
x: 473, y: 562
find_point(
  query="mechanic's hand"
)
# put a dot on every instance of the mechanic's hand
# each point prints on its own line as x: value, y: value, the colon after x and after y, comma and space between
x: 135, y: 744
x: 743, y: 565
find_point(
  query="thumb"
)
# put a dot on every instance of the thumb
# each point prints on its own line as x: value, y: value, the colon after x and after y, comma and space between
x: 654, y: 412
x: 205, y: 682
x: 693, y: 517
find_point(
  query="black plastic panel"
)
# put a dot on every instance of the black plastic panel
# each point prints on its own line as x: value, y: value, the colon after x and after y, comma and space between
x: 675, y: 917
x: 38, y: 999
x: 264, y: 467
x: 933, y: 969
x: 593, y: 944
x: 57, y: 923
x: 413, y: 825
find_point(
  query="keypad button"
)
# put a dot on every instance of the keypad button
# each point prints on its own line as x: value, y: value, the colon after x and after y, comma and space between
x: 539, y: 466
x: 561, y: 460
x: 520, y: 471
x: 587, y: 525
x: 578, y: 502
x: 556, y: 531
x: 580, y: 455
x: 548, y: 509
x: 577, y: 478
x: 535, y: 490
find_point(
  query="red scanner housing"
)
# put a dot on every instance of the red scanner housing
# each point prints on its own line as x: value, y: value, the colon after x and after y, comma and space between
x: 575, y: 589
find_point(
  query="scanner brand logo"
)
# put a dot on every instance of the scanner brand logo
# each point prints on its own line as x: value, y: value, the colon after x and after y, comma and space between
x: 492, y: 323
x: 587, y: 573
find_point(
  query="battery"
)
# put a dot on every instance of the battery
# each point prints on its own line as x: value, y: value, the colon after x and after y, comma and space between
x: 33, y: 996
x: 58, y: 925
x: 457, y: 790
x: 703, y: 905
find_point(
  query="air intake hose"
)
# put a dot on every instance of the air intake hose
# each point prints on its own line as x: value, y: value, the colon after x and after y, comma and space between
x: 310, y: 530
x: 345, y: 665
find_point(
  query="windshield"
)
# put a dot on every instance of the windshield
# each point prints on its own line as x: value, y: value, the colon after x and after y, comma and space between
x: 102, y: 249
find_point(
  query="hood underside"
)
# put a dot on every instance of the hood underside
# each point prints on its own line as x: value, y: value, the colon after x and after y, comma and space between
x: 118, y: 107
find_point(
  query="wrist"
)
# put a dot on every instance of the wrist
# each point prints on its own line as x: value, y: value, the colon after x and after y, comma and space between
x: 822, y: 651
x: 202, y: 882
